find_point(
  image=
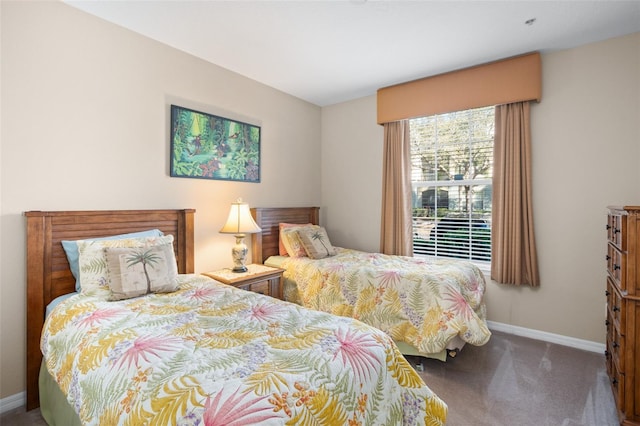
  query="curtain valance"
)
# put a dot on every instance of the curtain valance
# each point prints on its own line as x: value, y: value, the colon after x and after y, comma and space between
x: 510, y: 80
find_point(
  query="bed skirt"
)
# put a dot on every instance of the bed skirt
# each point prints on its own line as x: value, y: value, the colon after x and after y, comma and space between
x: 54, y: 407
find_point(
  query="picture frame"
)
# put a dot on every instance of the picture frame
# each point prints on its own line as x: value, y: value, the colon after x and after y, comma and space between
x: 206, y: 146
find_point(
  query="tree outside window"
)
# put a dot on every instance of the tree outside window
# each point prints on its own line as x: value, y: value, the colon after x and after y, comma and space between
x: 452, y: 169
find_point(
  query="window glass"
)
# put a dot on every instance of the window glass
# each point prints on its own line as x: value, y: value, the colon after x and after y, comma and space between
x: 451, y: 175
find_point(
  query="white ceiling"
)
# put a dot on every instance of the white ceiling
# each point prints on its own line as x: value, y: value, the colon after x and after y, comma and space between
x: 327, y: 52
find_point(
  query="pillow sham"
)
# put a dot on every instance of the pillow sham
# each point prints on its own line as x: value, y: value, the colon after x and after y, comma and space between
x: 282, y: 250
x: 133, y: 272
x: 292, y: 243
x: 316, y: 242
x: 71, y: 249
x: 92, y: 263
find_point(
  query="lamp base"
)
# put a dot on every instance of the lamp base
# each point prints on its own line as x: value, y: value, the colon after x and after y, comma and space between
x: 239, y: 254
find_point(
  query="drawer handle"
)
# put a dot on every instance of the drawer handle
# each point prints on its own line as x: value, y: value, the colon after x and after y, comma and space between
x: 606, y: 322
x: 616, y: 309
x: 608, y: 226
x: 614, y: 382
x: 616, y: 267
x: 607, y: 257
x: 616, y: 231
x: 606, y: 292
x: 615, y: 345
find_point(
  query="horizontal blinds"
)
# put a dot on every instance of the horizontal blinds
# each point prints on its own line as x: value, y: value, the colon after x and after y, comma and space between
x: 451, y: 179
x: 510, y: 80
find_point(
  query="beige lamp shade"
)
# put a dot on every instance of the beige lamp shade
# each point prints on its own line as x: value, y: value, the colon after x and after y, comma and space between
x: 240, y: 223
x: 240, y: 220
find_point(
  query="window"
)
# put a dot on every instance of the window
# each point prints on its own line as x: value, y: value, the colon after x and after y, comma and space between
x: 451, y: 176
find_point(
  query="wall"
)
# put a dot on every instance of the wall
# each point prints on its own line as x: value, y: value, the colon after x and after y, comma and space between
x: 85, y: 112
x: 586, y: 146
x: 352, y: 174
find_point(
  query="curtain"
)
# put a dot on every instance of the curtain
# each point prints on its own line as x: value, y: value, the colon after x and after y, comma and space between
x: 513, y: 248
x: 396, y: 229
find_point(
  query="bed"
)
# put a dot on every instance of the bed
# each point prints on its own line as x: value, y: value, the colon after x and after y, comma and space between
x: 206, y: 353
x: 431, y: 307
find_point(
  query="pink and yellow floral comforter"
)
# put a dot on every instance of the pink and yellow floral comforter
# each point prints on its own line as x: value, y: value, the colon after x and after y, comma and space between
x: 211, y: 354
x: 419, y: 301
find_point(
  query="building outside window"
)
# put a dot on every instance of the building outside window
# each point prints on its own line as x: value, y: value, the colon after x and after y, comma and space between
x: 451, y: 175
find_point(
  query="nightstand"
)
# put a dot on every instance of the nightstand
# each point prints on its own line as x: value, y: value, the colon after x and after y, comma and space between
x: 258, y: 278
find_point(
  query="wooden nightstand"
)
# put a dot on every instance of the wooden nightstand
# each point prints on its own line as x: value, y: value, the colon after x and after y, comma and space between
x: 259, y: 278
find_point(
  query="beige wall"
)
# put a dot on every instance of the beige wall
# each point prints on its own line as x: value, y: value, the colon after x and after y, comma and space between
x: 586, y: 146
x: 352, y: 174
x: 85, y: 109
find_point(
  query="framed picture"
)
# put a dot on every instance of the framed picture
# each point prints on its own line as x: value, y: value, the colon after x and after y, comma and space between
x: 210, y: 147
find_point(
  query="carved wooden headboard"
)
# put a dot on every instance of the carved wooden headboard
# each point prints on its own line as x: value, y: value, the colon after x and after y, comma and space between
x: 48, y: 273
x: 265, y: 244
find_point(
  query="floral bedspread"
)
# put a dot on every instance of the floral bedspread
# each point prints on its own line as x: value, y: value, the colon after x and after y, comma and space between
x: 212, y: 354
x: 422, y: 302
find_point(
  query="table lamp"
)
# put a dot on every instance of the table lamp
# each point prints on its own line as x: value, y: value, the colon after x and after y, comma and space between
x: 239, y: 223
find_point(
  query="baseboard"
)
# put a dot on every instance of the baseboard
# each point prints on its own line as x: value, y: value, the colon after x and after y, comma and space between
x: 548, y: 337
x: 13, y: 402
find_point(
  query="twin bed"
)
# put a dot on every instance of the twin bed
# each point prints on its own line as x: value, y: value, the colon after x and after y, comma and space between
x: 430, y: 307
x: 206, y: 353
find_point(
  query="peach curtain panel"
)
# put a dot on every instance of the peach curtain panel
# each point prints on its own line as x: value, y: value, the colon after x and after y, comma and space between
x: 513, y: 248
x: 396, y: 234
x: 511, y: 83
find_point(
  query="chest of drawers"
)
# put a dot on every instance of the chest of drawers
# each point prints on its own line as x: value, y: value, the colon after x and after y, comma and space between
x: 623, y: 310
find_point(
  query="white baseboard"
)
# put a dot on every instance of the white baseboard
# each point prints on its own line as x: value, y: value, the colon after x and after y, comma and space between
x: 12, y: 402
x: 548, y: 337
x: 18, y: 400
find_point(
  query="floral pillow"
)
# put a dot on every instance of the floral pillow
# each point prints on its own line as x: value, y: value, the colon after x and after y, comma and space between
x: 133, y: 272
x: 92, y: 263
x: 315, y: 242
x: 71, y: 249
x: 292, y: 244
x: 282, y: 250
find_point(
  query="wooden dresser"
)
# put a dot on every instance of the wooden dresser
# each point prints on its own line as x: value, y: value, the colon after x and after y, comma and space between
x: 623, y: 310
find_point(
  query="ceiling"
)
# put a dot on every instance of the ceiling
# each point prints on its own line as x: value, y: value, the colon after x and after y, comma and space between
x: 327, y: 52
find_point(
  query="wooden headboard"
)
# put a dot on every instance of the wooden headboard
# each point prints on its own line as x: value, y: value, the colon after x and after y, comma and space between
x: 265, y: 244
x: 48, y: 273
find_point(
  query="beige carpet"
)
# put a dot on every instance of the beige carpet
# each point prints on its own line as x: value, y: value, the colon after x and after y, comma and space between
x: 515, y: 381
